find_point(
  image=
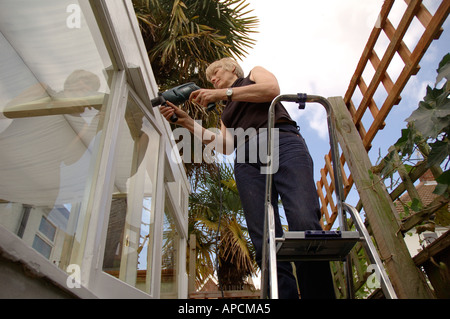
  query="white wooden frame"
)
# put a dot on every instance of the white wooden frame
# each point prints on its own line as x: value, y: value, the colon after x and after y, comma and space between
x: 129, y: 53
x: 132, y: 78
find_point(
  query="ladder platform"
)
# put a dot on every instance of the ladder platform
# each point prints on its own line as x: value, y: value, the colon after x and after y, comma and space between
x: 315, y: 245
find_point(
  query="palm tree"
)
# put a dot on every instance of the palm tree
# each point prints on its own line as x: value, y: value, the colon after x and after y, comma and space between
x: 216, y: 218
x: 182, y: 38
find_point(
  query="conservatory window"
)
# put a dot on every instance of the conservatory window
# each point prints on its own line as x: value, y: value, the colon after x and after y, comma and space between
x: 130, y: 236
x: 54, y: 85
x: 170, y: 255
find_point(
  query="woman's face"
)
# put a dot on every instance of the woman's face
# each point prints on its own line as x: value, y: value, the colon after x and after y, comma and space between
x: 222, y: 78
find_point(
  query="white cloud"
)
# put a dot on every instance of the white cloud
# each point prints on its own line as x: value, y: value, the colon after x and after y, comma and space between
x: 311, y: 46
x: 314, y: 47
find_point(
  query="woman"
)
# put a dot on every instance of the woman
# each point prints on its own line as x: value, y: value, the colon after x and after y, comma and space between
x: 247, y: 103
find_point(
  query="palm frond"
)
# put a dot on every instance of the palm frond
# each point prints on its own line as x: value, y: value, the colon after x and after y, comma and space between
x: 182, y: 38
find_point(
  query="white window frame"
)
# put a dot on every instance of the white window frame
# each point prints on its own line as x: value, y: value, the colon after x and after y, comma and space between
x: 132, y: 77
x: 101, y: 282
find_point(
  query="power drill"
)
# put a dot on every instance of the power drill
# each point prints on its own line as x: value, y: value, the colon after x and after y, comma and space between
x: 178, y: 95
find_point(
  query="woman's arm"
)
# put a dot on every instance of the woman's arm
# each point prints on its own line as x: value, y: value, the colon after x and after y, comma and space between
x: 265, y: 89
x: 222, y: 142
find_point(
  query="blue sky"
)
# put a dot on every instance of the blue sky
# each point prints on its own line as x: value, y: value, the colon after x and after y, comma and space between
x: 314, y: 47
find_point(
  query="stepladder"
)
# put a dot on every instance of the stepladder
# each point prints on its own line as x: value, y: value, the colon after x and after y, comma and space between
x: 315, y: 245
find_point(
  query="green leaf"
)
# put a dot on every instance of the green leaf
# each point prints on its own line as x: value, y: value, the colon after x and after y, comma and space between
x: 405, y: 144
x: 408, y: 168
x: 440, y: 189
x: 444, y: 69
x: 443, y: 183
x: 444, y: 178
x: 370, y: 174
x: 439, y: 152
x: 389, y: 165
x: 433, y: 114
x: 416, y: 205
x: 442, y: 216
x: 406, y: 209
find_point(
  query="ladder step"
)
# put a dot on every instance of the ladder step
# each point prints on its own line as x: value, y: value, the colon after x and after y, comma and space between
x: 316, y: 245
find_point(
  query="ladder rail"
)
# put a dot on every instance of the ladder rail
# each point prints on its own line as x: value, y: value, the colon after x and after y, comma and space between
x: 301, y: 99
x: 374, y: 258
x: 268, y: 263
x: 268, y: 218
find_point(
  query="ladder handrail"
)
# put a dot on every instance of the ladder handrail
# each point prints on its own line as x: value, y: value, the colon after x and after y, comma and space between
x: 302, y: 98
x: 269, y: 248
x: 386, y: 285
x: 268, y: 218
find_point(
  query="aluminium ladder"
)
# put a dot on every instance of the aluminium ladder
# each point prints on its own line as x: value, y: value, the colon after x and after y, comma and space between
x: 313, y: 244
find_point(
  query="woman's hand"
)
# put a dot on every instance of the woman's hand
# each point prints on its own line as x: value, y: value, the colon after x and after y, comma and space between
x: 206, y: 96
x: 168, y: 110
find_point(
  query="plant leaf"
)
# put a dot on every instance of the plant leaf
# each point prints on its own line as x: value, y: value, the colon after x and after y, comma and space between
x: 444, y: 69
x: 433, y: 114
x: 405, y: 144
x: 439, y: 151
x: 444, y: 178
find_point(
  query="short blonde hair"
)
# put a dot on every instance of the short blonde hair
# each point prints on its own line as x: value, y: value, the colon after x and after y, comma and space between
x: 227, y: 64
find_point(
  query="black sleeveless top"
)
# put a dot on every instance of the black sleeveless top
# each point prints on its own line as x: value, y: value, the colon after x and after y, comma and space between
x: 237, y: 114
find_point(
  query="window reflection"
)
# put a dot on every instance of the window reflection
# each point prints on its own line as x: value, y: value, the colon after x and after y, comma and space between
x: 170, y: 256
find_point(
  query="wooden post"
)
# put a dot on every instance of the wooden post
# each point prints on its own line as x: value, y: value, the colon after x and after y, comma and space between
x: 192, y: 259
x: 406, y: 278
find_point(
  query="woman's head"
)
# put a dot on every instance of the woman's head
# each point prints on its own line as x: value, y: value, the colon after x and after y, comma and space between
x: 227, y: 64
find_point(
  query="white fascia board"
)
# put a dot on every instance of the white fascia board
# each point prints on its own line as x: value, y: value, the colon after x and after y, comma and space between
x: 122, y: 24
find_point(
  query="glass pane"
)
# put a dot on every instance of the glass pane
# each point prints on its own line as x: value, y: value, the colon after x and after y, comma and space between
x: 129, y: 241
x: 47, y: 229
x: 53, y: 90
x: 41, y: 246
x: 170, y: 253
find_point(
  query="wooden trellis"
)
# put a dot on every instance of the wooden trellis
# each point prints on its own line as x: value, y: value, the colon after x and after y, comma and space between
x: 411, y: 58
x: 386, y: 230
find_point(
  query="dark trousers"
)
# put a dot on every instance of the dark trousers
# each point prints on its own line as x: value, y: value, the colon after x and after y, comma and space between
x: 294, y: 183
